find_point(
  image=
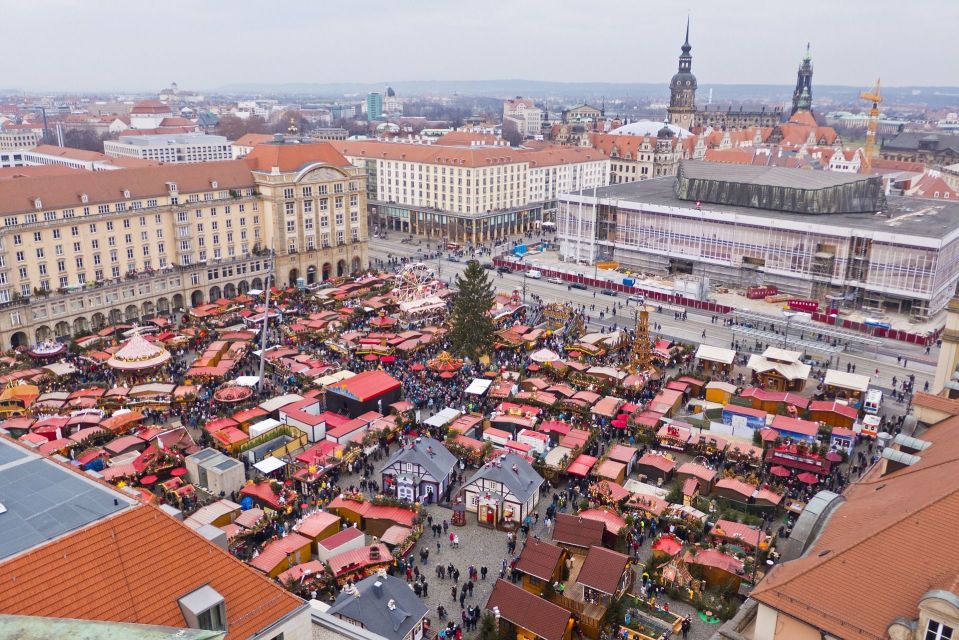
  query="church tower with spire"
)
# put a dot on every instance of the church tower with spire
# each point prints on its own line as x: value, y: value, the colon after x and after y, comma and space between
x: 682, y: 89
x: 802, y: 96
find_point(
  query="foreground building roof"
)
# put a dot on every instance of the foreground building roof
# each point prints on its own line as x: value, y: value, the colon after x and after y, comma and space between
x: 134, y: 567
x: 893, y: 538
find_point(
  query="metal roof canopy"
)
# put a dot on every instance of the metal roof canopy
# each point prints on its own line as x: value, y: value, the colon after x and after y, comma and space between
x: 816, y: 327
x: 777, y: 339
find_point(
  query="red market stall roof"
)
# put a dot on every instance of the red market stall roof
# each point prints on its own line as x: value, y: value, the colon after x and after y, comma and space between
x: 277, y: 551
x: 365, y: 386
x: 554, y: 426
x: 737, y: 531
x: 581, y: 466
x: 657, y: 461
x: 358, y: 559
x: 575, y: 438
x: 787, y: 424
x: 371, y: 511
x: 607, y: 407
x: 622, y: 453
x: 668, y: 544
x: 248, y: 414
x: 469, y: 443
x: 613, y: 522
x: 264, y: 493
x: 833, y: 406
x: 229, y: 435
x: 697, y: 470
x: 297, y: 572
x: 717, y: 560
x: 745, y: 411
x: 610, y: 469
x: 218, y: 424
x: 617, y: 491
x: 785, y: 397
x: 665, y: 401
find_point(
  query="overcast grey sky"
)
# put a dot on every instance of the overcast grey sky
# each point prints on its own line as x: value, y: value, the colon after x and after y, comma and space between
x: 77, y: 45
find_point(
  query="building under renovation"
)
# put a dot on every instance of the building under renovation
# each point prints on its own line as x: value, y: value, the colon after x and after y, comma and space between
x: 833, y: 237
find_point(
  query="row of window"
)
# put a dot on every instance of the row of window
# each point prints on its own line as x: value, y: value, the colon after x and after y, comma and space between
x: 321, y: 189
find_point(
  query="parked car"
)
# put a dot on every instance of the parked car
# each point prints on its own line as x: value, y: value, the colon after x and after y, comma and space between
x: 609, y: 292
x: 636, y: 298
x: 578, y: 285
x: 502, y: 269
x: 555, y: 280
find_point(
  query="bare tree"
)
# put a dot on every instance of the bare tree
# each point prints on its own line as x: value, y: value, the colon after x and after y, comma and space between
x: 233, y: 127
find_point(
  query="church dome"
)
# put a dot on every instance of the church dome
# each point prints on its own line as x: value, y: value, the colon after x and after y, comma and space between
x: 665, y: 132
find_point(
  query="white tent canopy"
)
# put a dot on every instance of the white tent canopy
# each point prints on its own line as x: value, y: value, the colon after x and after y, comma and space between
x: 269, y: 465
x: 479, y: 386
x: 247, y: 381
x: 443, y: 418
x: 851, y: 381
x: 544, y: 355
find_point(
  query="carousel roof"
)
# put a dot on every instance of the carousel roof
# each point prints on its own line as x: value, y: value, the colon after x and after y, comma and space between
x: 138, y: 353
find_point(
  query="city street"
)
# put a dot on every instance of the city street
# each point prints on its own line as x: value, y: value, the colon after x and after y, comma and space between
x: 689, y: 330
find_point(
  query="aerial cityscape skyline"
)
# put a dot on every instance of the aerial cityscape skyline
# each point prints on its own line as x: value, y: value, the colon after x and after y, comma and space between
x: 730, y: 39
x: 642, y: 324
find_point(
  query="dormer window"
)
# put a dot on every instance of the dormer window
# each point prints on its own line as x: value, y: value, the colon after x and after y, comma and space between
x: 204, y: 609
x: 938, y: 631
x: 126, y: 193
x: 84, y: 198
x: 214, y: 184
x: 38, y: 203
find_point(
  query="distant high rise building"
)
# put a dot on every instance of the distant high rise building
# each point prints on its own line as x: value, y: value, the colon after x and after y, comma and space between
x: 374, y: 106
x: 802, y: 96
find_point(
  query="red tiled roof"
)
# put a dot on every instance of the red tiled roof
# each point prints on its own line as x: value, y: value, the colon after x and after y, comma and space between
x: 293, y: 157
x: 133, y: 567
x: 526, y: 610
x: 61, y: 191
x: 907, y: 517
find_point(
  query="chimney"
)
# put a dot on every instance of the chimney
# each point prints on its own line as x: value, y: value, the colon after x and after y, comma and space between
x: 378, y: 589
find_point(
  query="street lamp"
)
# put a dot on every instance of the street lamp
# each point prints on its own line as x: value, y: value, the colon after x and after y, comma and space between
x: 789, y: 315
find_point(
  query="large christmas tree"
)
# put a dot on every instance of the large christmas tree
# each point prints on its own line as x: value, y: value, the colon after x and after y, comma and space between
x: 471, y: 331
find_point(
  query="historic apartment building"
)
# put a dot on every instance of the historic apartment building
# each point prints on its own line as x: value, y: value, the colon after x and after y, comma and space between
x: 315, y: 206
x: 80, y: 251
x: 472, y: 193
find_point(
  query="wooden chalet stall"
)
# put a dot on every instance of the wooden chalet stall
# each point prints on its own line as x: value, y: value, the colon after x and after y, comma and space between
x: 540, y: 563
x: 715, y: 362
x: 779, y: 369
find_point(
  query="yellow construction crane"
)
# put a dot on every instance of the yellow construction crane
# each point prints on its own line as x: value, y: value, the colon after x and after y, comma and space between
x: 875, y: 97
